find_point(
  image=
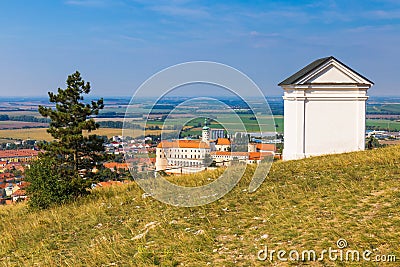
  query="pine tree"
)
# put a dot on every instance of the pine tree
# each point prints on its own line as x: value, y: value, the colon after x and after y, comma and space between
x: 72, y: 153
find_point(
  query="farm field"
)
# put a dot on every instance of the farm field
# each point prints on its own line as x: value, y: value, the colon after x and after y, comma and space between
x: 384, y: 124
x: 251, y: 125
x: 41, y: 134
x: 31, y: 133
x: 383, y: 108
x: 20, y: 124
x: 21, y: 113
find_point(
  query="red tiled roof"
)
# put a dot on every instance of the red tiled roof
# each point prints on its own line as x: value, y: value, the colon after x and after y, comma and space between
x: 259, y: 155
x: 266, y: 147
x: 140, y: 160
x: 109, y: 183
x: 6, y: 175
x: 18, y: 167
x: 183, y: 144
x: 14, y: 164
x: 18, y: 153
x: 254, y: 155
x: 23, y: 184
x: 115, y: 165
x: 19, y: 192
x: 223, y: 141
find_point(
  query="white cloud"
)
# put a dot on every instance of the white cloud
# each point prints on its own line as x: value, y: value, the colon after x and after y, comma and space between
x: 88, y: 3
x: 384, y: 14
x: 180, y: 11
x: 131, y: 38
x: 371, y: 28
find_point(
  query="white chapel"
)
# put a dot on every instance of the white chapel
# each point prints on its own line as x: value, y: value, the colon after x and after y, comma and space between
x: 324, y: 110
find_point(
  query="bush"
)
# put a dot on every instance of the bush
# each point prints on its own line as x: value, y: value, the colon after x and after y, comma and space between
x: 48, y: 187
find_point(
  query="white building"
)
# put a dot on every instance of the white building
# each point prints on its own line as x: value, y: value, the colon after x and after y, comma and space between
x: 324, y: 110
x: 222, y: 144
x: 225, y: 158
x: 189, y: 156
x: 182, y: 155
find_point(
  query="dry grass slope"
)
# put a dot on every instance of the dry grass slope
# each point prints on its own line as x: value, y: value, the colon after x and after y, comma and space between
x: 305, y: 204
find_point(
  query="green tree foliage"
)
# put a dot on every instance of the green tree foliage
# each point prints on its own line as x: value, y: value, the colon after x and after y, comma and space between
x: 72, y: 155
x: 28, y: 118
x: 119, y: 124
x: 372, y: 142
x: 4, y: 117
x: 68, y: 121
x: 105, y: 174
x: 48, y: 186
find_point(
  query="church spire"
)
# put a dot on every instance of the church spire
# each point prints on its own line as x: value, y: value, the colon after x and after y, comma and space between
x: 205, y: 135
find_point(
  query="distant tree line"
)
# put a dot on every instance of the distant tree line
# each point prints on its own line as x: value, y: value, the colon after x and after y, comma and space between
x: 113, y: 114
x: 382, y: 112
x: 26, y: 118
x: 161, y: 106
x: 380, y: 128
x: 118, y: 124
x: 103, y: 124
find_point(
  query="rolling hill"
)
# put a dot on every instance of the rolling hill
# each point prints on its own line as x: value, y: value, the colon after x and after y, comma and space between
x: 302, y: 205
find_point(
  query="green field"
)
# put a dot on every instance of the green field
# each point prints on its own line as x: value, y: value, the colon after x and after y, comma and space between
x: 384, y: 124
x: 40, y: 133
x: 382, y: 108
x: 251, y: 125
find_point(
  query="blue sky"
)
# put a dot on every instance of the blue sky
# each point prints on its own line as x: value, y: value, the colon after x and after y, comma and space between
x: 118, y: 44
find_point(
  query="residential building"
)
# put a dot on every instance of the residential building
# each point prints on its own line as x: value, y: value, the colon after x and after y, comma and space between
x: 222, y: 144
x: 19, y: 195
x: 224, y: 158
x: 18, y: 155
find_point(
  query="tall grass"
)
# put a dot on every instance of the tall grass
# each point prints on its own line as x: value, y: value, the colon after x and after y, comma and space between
x: 304, y: 204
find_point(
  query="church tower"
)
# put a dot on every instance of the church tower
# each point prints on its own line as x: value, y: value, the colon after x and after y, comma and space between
x: 205, y: 136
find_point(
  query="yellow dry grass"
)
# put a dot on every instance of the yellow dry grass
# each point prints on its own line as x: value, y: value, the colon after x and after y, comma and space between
x: 41, y: 133
x: 31, y: 133
x: 302, y: 205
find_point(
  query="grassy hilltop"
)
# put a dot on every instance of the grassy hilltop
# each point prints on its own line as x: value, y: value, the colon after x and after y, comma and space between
x: 305, y: 204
